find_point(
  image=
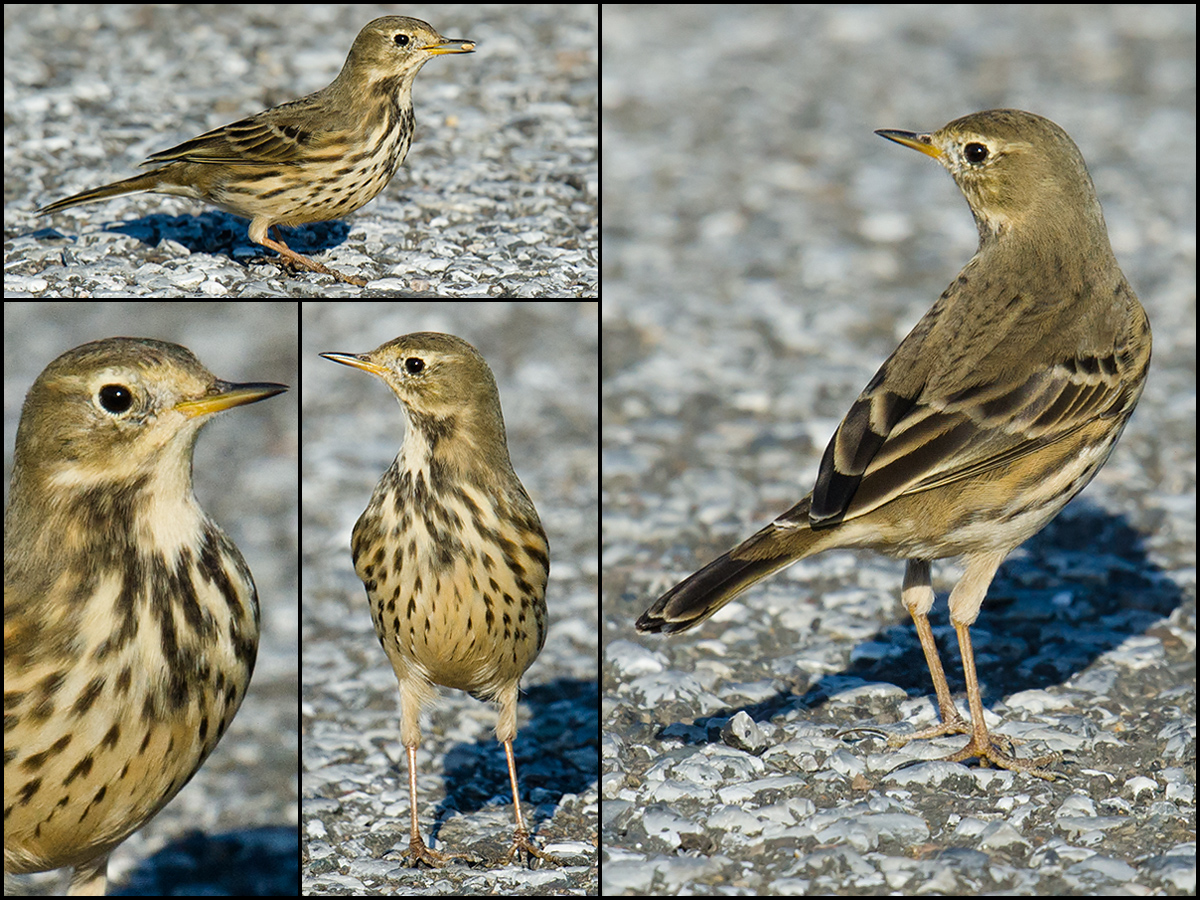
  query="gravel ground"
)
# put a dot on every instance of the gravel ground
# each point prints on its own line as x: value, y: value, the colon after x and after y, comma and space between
x: 355, y: 807
x: 764, y: 253
x: 241, y: 807
x: 497, y: 197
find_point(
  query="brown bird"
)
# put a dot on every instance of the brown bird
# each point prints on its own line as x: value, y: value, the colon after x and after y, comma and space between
x: 998, y: 407
x: 317, y: 158
x: 451, y: 551
x: 130, y: 618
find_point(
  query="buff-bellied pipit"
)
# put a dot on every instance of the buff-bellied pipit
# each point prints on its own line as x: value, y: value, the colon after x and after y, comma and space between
x: 130, y: 618
x: 451, y: 551
x: 317, y: 158
x: 999, y: 407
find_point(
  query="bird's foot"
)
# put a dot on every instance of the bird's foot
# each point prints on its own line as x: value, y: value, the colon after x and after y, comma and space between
x: 988, y: 749
x: 524, y: 851
x: 954, y: 724
x: 418, y: 854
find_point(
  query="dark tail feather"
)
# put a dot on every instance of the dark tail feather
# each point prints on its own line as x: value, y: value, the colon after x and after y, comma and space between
x: 700, y: 595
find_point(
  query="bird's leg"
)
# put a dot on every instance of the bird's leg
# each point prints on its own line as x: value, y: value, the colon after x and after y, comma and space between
x: 417, y: 853
x: 965, y: 601
x: 917, y: 597
x: 983, y: 745
x: 522, y: 843
x: 289, y: 258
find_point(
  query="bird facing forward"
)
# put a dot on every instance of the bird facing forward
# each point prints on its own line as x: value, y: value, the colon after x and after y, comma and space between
x: 317, y: 158
x: 451, y: 551
x: 130, y: 618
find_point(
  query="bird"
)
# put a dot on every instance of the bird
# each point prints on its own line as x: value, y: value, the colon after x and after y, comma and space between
x: 130, y: 617
x: 999, y: 406
x: 309, y: 160
x: 452, y: 553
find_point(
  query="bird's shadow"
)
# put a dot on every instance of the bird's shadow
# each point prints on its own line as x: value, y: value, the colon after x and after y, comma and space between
x: 251, y: 862
x: 216, y: 232
x: 1078, y: 589
x: 556, y: 753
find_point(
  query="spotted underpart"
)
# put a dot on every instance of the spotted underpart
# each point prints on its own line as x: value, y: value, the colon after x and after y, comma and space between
x: 451, y: 550
x: 130, y: 619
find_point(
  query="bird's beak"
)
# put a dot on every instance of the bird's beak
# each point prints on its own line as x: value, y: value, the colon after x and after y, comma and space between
x: 450, y: 45
x: 228, y: 395
x: 357, y: 361
x: 921, y: 142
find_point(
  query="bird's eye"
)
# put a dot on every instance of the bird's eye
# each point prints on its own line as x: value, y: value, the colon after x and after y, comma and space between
x: 402, y: 40
x: 975, y: 153
x: 414, y: 365
x: 115, y: 398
